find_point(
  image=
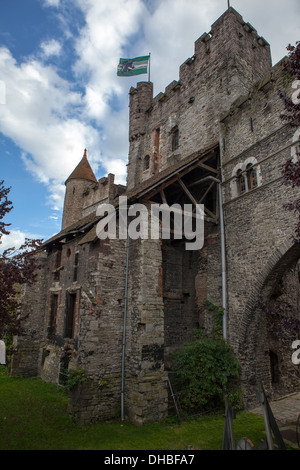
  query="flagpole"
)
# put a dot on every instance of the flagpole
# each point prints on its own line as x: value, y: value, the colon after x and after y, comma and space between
x: 149, y: 67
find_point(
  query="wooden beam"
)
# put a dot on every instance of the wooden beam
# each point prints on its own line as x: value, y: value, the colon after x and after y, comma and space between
x: 163, y: 196
x: 214, y: 216
x: 187, y: 192
x: 209, y: 168
x: 191, y: 197
x: 172, y: 178
x: 207, y: 191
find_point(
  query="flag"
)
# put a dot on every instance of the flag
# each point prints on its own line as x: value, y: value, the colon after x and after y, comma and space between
x: 136, y: 66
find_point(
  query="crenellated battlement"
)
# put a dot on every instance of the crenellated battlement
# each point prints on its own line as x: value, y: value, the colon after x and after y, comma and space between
x: 230, y: 37
x: 140, y: 100
x: 227, y: 61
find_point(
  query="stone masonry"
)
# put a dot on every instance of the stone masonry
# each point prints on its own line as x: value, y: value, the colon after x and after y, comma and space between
x: 117, y: 309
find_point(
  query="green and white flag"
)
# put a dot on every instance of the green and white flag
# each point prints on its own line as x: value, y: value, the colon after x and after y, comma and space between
x: 136, y: 66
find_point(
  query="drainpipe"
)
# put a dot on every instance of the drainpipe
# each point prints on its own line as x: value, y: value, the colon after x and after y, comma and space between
x: 124, y: 332
x: 223, y: 262
x: 223, y: 258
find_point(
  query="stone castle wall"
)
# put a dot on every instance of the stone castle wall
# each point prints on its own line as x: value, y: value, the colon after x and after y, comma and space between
x: 258, y: 229
x: 25, y: 360
x: 226, y: 93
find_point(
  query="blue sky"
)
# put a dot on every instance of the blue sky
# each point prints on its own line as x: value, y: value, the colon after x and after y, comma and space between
x: 59, y: 92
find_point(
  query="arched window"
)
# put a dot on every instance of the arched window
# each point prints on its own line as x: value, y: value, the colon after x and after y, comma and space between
x: 245, y: 176
x: 146, y: 162
x: 251, y: 176
x: 175, y: 139
x: 241, y: 183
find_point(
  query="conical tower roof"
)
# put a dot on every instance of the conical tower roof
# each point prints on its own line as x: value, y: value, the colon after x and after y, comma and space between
x: 83, y: 171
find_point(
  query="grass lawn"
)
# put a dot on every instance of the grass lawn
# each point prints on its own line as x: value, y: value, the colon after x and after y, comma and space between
x: 33, y: 416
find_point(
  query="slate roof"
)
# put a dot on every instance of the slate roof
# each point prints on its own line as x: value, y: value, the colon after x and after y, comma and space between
x: 83, y: 171
x: 86, y: 225
x: 168, y: 172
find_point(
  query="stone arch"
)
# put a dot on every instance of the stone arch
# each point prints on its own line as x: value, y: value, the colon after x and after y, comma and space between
x: 282, y: 259
x: 242, y: 167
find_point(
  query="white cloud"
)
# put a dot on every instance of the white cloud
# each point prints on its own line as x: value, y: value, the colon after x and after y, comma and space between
x: 276, y: 21
x: 114, y: 144
x: 117, y: 166
x: 52, y: 3
x: 15, y: 239
x: 52, y: 122
x: 51, y: 48
x: 108, y: 27
x: 170, y: 32
x: 42, y: 116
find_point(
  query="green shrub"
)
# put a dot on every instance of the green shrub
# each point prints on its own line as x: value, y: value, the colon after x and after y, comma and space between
x: 207, y: 369
x: 74, y: 377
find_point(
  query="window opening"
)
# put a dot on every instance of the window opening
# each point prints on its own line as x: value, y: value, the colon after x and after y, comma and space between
x: 241, y: 182
x: 156, y: 139
x: 57, y: 266
x: 251, y: 124
x: 147, y: 162
x: 75, y: 272
x: 70, y: 315
x: 251, y: 176
x: 52, y: 317
x: 175, y: 139
x: 156, y: 150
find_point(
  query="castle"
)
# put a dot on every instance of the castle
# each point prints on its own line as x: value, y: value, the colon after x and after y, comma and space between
x: 119, y: 308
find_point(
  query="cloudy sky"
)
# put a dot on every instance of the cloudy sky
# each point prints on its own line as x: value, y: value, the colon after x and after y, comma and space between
x: 60, y: 94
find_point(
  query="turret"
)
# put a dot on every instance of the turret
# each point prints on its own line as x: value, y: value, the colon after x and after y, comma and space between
x: 76, y: 184
x: 231, y: 41
x: 226, y: 63
x: 140, y: 100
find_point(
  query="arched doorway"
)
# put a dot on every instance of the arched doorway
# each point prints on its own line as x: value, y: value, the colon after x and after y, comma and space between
x: 270, y: 324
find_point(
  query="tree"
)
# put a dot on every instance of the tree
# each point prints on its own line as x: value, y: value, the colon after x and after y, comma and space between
x: 5, y: 207
x: 291, y: 169
x: 17, y: 267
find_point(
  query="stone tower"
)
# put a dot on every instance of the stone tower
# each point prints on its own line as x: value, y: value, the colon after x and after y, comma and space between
x: 167, y: 128
x: 76, y: 185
